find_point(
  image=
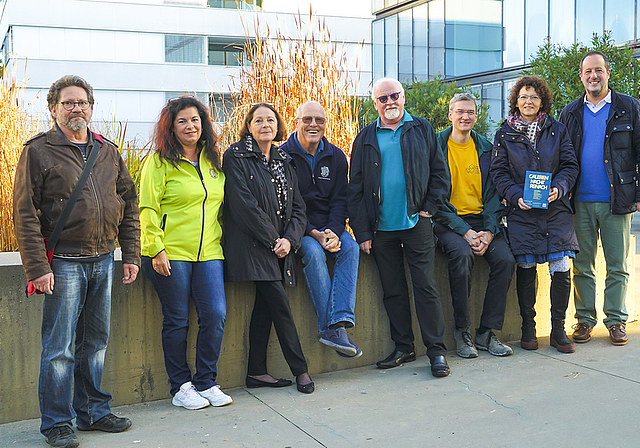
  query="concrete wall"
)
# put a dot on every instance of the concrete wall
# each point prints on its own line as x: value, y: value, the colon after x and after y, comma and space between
x: 134, y: 366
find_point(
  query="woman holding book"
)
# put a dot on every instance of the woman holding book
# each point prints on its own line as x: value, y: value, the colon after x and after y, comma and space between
x: 531, y: 140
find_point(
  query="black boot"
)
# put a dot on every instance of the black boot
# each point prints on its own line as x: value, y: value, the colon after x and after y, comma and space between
x: 526, y: 285
x: 560, y: 290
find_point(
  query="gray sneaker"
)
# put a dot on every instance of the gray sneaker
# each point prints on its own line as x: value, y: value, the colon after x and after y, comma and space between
x: 464, y: 344
x: 489, y: 342
x: 339, y: 341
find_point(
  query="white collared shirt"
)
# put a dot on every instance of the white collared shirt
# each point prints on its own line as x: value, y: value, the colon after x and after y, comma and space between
x: 595, y: 108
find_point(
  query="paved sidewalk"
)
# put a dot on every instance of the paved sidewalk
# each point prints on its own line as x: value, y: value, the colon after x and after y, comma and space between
x: 531, y: 399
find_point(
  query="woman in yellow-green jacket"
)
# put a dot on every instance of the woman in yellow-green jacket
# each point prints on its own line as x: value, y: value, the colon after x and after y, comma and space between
x: 181, y: 192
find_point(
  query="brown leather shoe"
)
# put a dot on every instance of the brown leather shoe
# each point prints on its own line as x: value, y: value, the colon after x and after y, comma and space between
x: 581, y: 332
x: 618, y: 334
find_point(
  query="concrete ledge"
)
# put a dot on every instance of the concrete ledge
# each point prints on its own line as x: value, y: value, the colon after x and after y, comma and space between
x: 134, y: 365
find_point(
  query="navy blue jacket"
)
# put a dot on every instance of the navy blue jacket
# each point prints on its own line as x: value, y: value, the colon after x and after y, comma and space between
x: 325, y: 189
x: 536, y: 231
x: 426, y: 175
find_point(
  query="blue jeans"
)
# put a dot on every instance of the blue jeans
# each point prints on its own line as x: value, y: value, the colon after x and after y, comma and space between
x: 334, y: 301
x: 203, y: 282
x: 80, y: 304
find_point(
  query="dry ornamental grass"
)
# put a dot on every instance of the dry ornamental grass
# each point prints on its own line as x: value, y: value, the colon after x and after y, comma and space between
x: 17, y: 125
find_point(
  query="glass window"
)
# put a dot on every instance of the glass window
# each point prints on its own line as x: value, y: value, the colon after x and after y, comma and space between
x: 235, y: 4
x: 224, y: 53
x: 589, y: 19
x: 378, y: 49
x: 420, y: 44
x: 508, y: 85
x: 377, y: 5
x: 436, y: 37
x: 221, y: 106
x: 618, y: 18
x: 473, y: 36
x: 562, y: 27
x: 388, y: 3
x: 536, y: 26
x: 391, y: 47
x: 492, y: 95
x: 185, y: 49
x: 513, y: 24
x: 405, y: 50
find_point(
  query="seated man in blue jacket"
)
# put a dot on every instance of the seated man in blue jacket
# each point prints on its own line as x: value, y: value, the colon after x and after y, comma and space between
x: 469, y: 225
x: 322, y: 175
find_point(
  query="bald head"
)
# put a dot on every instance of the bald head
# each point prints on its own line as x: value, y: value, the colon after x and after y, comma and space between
x: 308, y: 129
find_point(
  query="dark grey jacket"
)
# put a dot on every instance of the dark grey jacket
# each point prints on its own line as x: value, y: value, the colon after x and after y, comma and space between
x: 621, y: 152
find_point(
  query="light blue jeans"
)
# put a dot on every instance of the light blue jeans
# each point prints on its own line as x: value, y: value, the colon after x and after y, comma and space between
x: 80, y: 305
x: 334, y: 301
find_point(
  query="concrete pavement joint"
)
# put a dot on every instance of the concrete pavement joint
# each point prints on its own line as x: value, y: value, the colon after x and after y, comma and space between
x: 285, y: 418
x: 588, y: 368
x: 479, y: 392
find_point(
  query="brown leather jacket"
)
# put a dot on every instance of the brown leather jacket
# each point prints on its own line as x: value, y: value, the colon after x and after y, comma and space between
x: 47, y: 171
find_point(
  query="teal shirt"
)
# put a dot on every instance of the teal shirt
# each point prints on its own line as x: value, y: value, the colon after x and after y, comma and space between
x: 393, y: 190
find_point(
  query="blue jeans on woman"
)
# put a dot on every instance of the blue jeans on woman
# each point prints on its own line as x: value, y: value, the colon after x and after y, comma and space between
x: 203, y: 282
x: 334, y: 300
x: 80, y: 305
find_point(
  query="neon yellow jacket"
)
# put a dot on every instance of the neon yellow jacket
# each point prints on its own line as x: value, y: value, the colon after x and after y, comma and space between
x: 179, y: 209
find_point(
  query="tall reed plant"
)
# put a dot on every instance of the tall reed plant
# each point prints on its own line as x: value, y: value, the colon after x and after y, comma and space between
x: 289, y: 71
x: 17, y: 124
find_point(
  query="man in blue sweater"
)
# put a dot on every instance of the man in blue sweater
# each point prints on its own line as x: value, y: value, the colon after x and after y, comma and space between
x: 605, y: 130
x: 322, y: 178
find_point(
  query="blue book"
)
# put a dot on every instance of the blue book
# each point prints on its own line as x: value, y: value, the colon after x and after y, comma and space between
x: 536, y: 189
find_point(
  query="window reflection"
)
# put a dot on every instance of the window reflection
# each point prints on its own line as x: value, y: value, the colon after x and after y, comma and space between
x: 513, y: 24
x: 562, y: 25
x: 618, y: 18
x: 473, y: 36
x: 536, y: 26
x: 436, y: 37
x: 589, y: 19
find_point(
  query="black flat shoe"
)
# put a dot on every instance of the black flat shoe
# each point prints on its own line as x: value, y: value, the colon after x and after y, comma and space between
x: 306, y: 388
x: 253, y: 383
x: 396, y: 359
x: 439, y: 367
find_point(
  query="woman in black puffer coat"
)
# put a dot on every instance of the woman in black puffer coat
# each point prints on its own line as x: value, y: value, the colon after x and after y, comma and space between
x: 531, y: 140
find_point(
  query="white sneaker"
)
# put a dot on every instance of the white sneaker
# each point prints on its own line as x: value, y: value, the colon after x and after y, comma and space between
x: 188, y: 397
x: 215, y: 396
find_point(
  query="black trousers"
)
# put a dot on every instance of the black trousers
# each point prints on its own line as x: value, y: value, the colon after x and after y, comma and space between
x: 417, y: 245
x: 272, y: 306
x: 461, y: 261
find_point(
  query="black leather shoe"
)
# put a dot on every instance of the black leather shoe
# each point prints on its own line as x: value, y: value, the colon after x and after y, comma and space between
x: 396, y: 359
x: 253, y: 383
x: 306, y: 388
x: 439, y: 367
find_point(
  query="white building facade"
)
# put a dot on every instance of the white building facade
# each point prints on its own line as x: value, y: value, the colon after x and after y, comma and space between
x: 137, y: 54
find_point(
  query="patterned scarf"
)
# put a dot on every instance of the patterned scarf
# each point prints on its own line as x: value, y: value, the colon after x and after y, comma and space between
x: 531, y: 130
x: 276, y: 168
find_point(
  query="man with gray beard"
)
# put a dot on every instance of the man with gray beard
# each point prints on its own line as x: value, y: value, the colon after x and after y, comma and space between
x: 398, y: 183
x: 82, y: 266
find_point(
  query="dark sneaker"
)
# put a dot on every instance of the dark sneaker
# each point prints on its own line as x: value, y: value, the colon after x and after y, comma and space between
x: 358, y: 351
x: 62, y: 436
x: 339, y: 340
x: 465, y: 348
x: 489, y: 342
x: 108, y: 423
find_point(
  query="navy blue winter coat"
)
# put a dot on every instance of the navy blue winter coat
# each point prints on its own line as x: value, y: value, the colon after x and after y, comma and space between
x: 536, y: 231
x: 324, y: 189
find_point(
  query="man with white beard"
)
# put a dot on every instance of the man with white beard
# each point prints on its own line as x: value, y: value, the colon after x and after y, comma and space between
x: 399, y: 181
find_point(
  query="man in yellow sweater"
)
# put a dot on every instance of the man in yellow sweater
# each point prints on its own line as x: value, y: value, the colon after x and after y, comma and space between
x: 469, y: 225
